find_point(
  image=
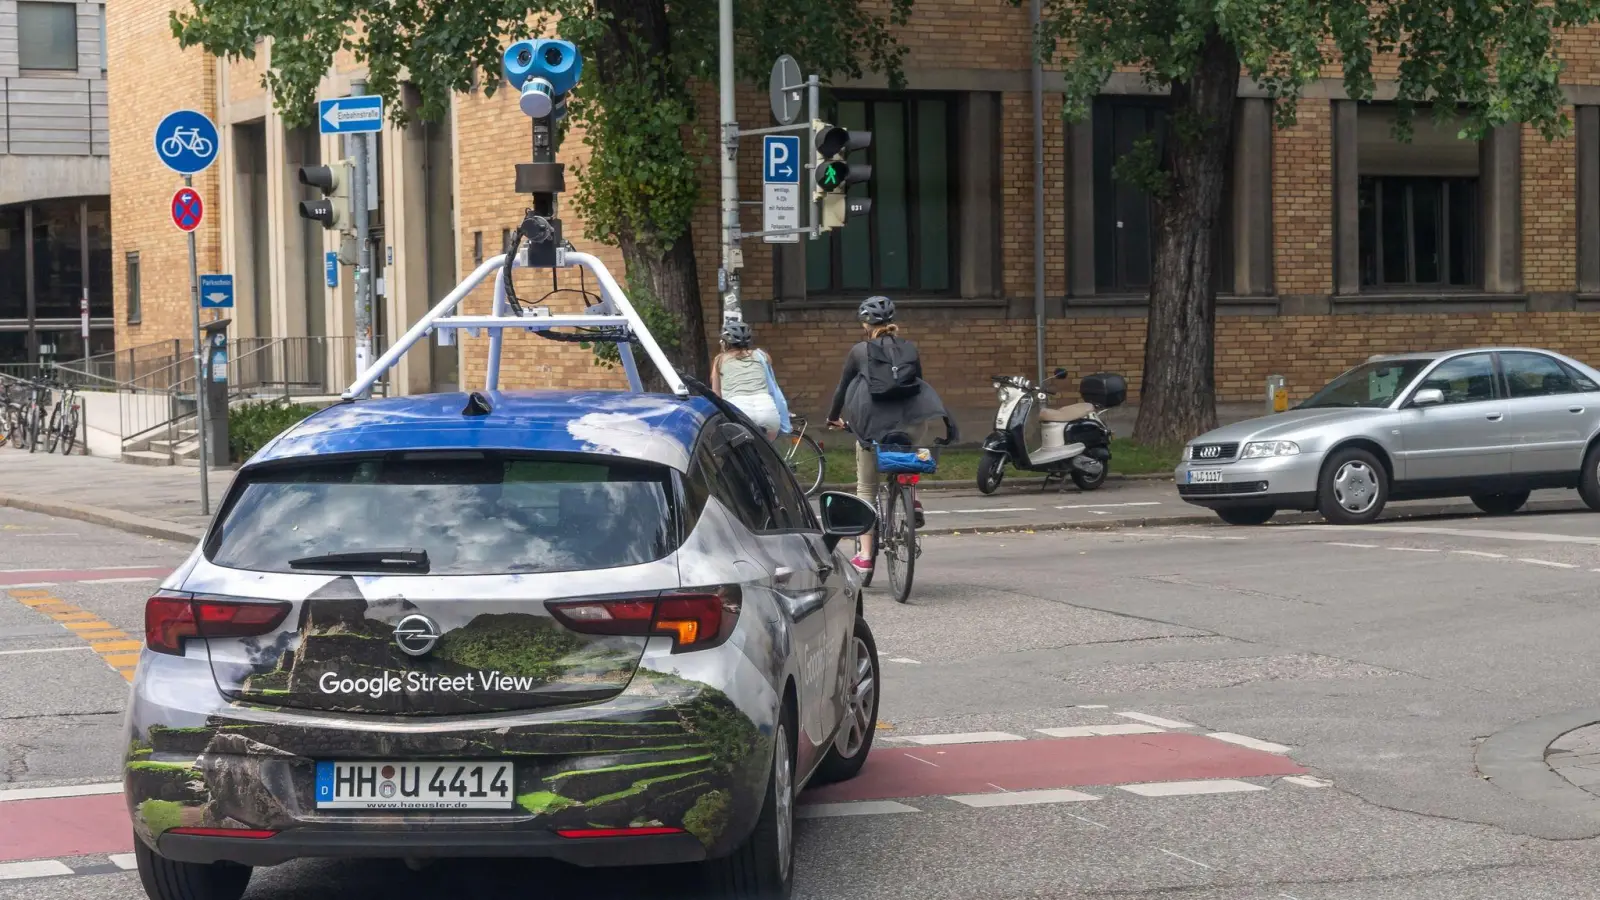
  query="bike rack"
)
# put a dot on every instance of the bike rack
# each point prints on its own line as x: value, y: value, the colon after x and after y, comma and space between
x: 613, y: 312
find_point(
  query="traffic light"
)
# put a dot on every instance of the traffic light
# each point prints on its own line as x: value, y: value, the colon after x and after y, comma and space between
x: 333, y: 209
x: 834, y: 173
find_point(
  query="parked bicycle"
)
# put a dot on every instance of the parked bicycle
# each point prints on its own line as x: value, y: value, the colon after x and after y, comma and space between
x: 802, y: 454
x: 10, y: 412
x: 64, y: 418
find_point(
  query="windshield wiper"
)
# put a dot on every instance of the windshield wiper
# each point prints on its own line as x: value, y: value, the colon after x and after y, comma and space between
x: 409, y: 560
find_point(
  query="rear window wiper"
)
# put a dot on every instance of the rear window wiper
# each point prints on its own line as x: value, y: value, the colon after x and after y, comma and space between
x: 409, y: 560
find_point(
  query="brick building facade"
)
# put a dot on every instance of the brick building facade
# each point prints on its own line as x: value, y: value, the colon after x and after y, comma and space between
x: 1339, y: 242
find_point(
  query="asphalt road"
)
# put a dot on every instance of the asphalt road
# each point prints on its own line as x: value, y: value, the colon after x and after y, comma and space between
x: 1332, y: 685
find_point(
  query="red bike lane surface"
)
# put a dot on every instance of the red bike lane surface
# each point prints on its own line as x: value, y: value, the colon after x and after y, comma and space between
x: 893, y: 773
x: 64, y: 826
x: 56, y: 576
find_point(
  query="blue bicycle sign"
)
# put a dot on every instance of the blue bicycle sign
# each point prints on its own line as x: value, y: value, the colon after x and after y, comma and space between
x: 186, y: 142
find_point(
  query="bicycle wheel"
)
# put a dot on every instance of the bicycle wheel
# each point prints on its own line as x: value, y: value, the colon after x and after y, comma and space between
x: 52, y: 431
x: 5, y: 425
x: 69, y: 432
x: 803, y: 455
x: 900, y: 542
x: 30, y: 433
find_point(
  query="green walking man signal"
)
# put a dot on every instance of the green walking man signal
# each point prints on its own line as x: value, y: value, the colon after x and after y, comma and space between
x: 830, y: 145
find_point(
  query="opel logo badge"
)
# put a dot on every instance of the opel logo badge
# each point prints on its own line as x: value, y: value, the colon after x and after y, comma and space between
x: 416, y: 635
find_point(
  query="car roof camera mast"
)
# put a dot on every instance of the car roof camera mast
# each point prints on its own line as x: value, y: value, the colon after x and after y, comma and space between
x: 544, y: 72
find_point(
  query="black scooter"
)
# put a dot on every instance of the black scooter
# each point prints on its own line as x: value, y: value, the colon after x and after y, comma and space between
x: 1067, y: 442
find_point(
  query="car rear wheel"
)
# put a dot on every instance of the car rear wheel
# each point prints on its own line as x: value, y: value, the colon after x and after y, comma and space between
x: 1246, y: 515
x: 1353, y: 487
x: 849, y: 751
x: 166, y: 879
x: 1589, y: 480
x: 1500, y: 504
x: 762, y: 868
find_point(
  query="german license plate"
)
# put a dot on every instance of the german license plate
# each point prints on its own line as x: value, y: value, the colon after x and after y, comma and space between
x: 1205, y: 476
x: 415, y: 785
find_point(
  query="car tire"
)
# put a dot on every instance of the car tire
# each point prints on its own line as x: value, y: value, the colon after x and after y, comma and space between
x: 991, y: 471
x: 1247, y: 515
x: 1352, y: 488
x: 1589, y: 479
x: 850, y: 749
x: 762, y: 868
x: 167, y: 879
x: 1500, y: 504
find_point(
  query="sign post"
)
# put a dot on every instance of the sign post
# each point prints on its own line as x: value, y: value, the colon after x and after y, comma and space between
x: 780, y: 182
x: 358, y: 116
x: 187, y: 142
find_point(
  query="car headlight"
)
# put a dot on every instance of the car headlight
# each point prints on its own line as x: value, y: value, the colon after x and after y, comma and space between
x: 1188, y: 452
x: 1260, y: 449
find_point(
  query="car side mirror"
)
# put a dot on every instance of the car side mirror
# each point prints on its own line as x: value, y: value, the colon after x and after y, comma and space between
x: 1060, y: 373
x: 1427, y: 397
x: 845, y: 515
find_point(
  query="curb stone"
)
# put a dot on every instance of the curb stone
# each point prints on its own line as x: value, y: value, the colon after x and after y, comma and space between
x: 1514, y: 760
x: 111, y: 518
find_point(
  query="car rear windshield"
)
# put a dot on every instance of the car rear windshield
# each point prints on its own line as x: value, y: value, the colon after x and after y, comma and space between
x: 1374, y: 384
x: 468, y: 514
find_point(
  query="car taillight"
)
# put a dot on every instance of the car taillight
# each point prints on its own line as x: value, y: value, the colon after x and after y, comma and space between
x: 694, y: 619
x: 171, y: 617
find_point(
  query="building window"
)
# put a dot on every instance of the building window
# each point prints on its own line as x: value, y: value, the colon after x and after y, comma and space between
x: 1124, y: 214
x: 905, y: 244
x: 1418, y: 206
x: 135, y: 297
x: 13, y: 262
x: 47, y: 36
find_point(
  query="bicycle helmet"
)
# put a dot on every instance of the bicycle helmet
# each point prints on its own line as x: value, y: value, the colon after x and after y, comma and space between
x: 737, y: 334
x: 876, y: 311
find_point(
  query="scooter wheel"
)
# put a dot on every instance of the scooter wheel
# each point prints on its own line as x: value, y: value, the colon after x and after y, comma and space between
x: 991, y: 471
x: 1087, y: 482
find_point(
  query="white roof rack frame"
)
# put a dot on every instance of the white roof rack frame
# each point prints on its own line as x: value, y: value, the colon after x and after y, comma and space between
x: 612, y: 310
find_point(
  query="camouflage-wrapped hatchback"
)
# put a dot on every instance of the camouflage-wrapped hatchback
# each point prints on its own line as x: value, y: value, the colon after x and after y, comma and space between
x: 603, y: 628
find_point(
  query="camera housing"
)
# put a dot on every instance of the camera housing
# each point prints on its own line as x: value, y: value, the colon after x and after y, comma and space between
x: 557, y: 64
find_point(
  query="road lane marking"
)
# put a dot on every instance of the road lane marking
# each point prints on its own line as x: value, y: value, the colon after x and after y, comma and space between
x: 39, y: 868
x: 41, y: 650
x: 1480, y: 553
x: 1347, y: 544
x: 1110, y: 505
x: 923, y: 761
x: 111, y: 643
x: 69, y: 790
x: 1021, y: 798
x: 972, y: 737
x: 1534, y: 536
x: 1154, y: 720
x: 1091, y: 706
x: 138, y: 580
x: 1252, y: 743
x: 1090, y: 821
x: 125, y: 861
x: 1077, y: 731
x: 995, y: 509
x: 1413, y: 549
x: 1187, y: 788
x: 902, y: 659
x: 1184, y: 858
x: 1546, y: 562
x: 1309, y: 781
x: 858, y: 808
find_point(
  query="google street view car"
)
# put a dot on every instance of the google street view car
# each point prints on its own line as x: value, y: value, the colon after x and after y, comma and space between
x: 601, y: 627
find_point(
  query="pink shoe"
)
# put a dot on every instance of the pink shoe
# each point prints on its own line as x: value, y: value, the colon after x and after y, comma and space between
x: 862, y: 564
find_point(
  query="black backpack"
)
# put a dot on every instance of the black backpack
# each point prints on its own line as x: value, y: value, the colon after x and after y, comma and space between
x: 894, y: 370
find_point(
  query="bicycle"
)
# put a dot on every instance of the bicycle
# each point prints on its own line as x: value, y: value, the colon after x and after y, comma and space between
x: 63, y: 428
x: 33, y: 415
x: 800, y: 452
x: 183, y: 139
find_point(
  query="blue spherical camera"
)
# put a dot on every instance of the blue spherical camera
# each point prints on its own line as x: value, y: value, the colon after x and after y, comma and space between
x: 544, y: 71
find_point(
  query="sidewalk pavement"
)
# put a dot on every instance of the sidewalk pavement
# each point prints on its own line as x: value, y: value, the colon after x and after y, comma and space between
x: 165, y: 502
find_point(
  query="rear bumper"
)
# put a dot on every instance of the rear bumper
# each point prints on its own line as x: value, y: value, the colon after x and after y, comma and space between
x: 311, y: 842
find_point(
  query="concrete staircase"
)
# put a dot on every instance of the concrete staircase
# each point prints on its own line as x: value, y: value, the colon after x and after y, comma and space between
x: 179, y: 446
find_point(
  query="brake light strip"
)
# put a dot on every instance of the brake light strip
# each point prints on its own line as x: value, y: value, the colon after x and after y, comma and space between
x: 119, y: 649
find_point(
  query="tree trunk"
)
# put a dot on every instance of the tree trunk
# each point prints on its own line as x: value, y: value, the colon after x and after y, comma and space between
x: 1177, y: 397
x: 635, y: 28
x: 671, y: 280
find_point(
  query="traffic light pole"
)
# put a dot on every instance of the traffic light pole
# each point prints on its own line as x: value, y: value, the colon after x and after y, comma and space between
x: 732, y: 258
x: 363, y: 284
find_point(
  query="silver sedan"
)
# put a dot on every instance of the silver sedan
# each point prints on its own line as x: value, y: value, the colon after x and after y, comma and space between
x: 1491, y: 424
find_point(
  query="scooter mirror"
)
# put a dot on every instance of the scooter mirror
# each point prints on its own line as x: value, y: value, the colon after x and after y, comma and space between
x: 1060, y: 373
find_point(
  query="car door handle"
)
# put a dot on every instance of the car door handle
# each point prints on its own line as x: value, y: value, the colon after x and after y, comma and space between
x: 1495, y: 417
x: 1574, y: 409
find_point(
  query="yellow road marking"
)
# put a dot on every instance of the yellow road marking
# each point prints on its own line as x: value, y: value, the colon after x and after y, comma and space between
x: 119, y: 651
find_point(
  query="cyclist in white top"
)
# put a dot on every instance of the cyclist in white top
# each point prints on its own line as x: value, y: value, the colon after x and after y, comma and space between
x: 743, y: 376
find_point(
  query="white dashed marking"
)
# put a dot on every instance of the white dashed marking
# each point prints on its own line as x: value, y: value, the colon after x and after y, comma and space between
x: 125, y: 861
x: 1252, y: 743
x: 1021, y: 798
x: 1109, y: 505
x: 71, y: 790
x: 1480, y: 553
x: 1357, y: 546
x: 39, y: 868
x: 1186, y: 788
x: 1154, y: 720
x: 904, y: 660
x: 45, y: 650
x: 1309, y: 781
x: 1546, y: 562
x: 1413, y: 549
x: 861, y: 808
x: 971, y: 737
x: 1077, y: 731
x: 118, y: 580
x: 1184, y: 858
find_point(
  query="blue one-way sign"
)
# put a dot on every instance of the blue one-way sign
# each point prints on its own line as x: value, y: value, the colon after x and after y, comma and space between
x: 216, y: 291
x: 350, y: 115
x: 781, y: 155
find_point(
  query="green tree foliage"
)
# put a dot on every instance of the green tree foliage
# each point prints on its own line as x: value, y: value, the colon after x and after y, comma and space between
x: 635, y: 103
x: 1485, y: 64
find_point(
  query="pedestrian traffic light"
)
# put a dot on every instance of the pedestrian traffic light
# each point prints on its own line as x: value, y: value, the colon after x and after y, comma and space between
x: 333, y: 209
x: 833, y: 173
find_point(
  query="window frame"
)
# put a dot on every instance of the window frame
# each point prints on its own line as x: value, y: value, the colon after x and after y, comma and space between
x: 1574, y: 377
x: 1445, y: 183
x: 1495, y: 380
x: 133, y: 279
x: 908, y: 98
x: 23, y: 41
